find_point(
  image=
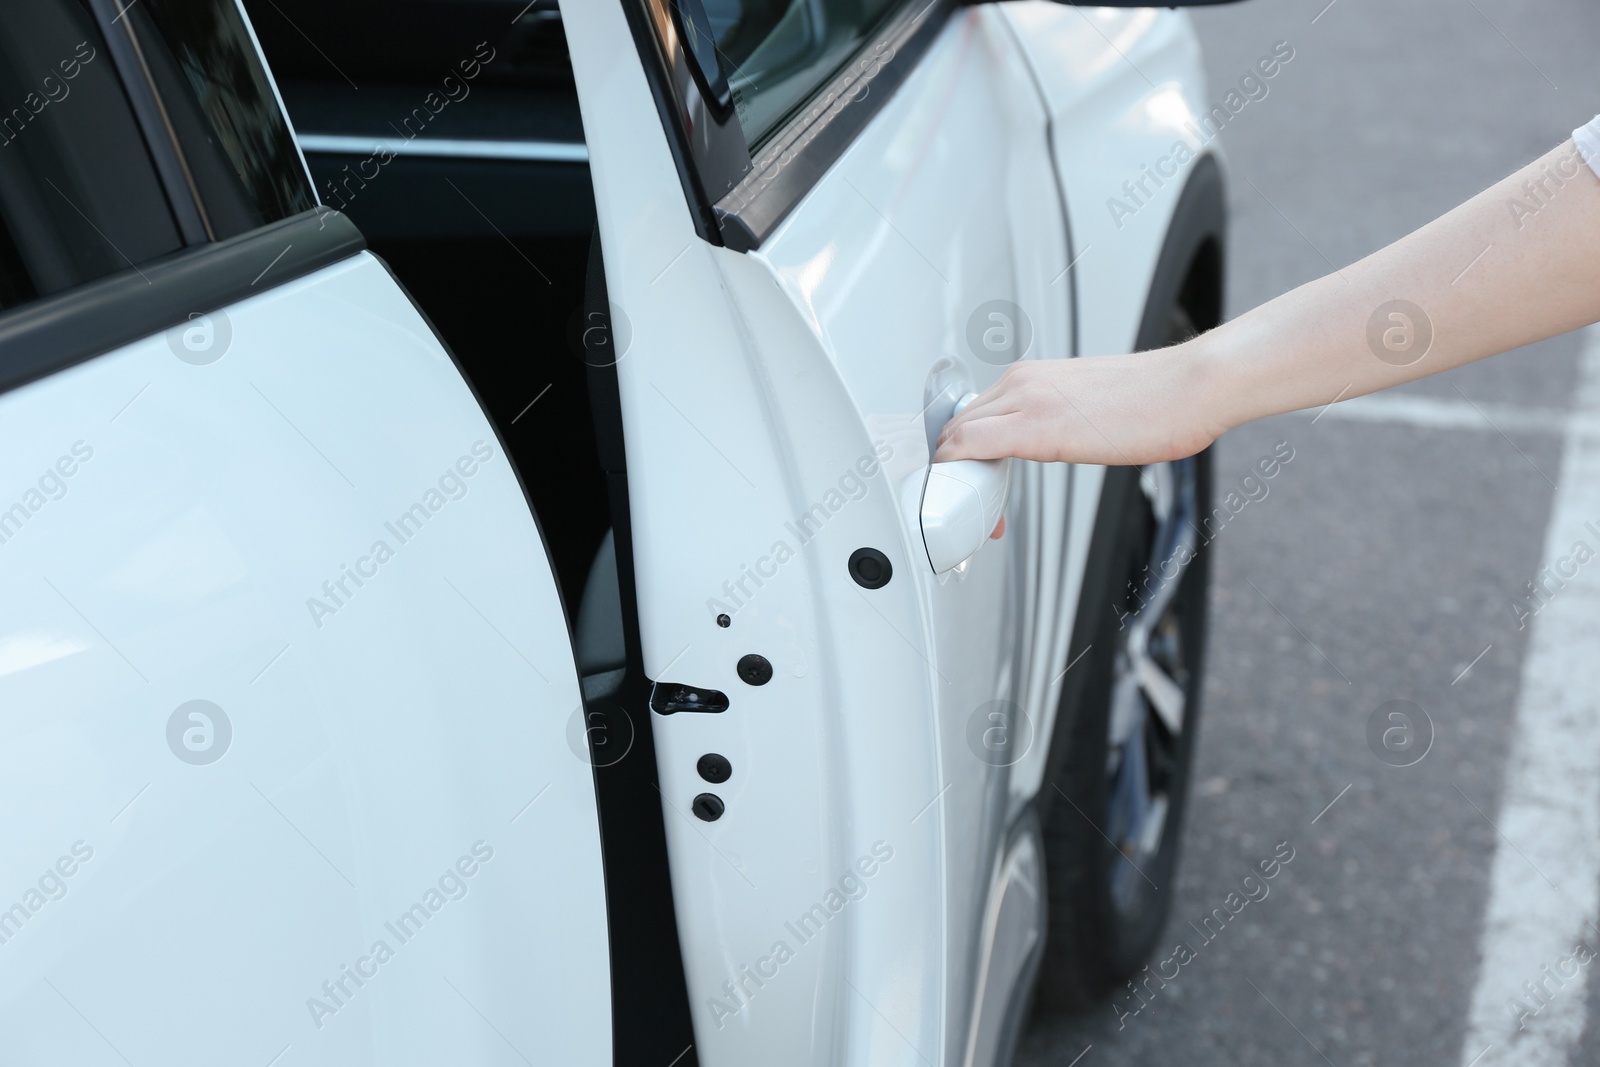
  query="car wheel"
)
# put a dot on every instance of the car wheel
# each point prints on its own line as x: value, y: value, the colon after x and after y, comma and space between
x: 1116, y: 800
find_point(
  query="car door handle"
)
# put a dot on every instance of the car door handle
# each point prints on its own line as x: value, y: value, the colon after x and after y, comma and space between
x: 962, y: 503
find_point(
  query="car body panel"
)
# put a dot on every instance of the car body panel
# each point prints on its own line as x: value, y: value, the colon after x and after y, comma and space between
x: 804, y: 357
x: 942, y: 207
x: 1122, y: 86
x: 380, y: 727
x: 374, y: 732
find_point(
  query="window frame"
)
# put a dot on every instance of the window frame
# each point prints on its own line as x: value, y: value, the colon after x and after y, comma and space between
x: 161, y: 136
x: 54, y: 332
x: 737, y: 197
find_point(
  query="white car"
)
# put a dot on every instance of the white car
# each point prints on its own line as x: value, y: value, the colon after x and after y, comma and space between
x: 382, y: 694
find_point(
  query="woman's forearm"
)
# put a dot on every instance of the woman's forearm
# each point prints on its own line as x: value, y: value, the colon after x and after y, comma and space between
x: 1515, y: 264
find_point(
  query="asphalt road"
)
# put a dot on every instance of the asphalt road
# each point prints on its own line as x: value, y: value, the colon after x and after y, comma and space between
x: 1384, y: 560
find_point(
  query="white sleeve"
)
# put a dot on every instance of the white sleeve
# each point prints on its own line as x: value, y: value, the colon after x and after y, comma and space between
x: 1587, y: 140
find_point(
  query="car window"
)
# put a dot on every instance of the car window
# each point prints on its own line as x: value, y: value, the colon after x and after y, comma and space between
x: 79, y: 196
x: 778, y: 52
x: 236, y: 143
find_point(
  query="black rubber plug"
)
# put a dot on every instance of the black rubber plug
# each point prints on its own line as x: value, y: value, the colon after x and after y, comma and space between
x: 754, y: 669
x: 714, y: 768
x: 708, y: 806
x: 870, y: 568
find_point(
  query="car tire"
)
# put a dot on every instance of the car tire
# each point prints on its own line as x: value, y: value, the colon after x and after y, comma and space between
x: 1115, y: 798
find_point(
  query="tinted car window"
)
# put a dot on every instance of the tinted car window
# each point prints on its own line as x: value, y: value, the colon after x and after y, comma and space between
x: 778, y: 52
x: 236, y: 145
x: 79, y: 197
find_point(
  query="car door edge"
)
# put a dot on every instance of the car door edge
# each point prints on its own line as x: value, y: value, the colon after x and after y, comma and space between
x: 73, y: 326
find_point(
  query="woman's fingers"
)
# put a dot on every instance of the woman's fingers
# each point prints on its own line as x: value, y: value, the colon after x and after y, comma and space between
x: 987, y: 437
x: 967, y: 418
x: 995, y: 400
x: 1106, y: 409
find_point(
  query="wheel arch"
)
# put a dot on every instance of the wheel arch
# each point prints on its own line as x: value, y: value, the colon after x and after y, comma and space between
x: 1191, y: 266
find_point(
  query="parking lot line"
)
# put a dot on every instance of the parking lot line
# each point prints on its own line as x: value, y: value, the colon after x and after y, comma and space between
x: 1539, y: 933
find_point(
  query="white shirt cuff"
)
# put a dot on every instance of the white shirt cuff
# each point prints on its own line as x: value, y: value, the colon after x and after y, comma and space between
x: 1587, y: 140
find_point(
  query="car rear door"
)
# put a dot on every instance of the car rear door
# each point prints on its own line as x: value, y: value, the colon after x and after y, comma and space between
x: 295, y: 769
x: 823, y: 223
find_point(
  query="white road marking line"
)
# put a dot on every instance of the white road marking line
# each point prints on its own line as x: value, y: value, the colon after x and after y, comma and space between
x: 1432, y: 413
x: 1550, y: 809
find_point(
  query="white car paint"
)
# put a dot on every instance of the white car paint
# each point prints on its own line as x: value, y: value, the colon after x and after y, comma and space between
x: 375, y: 731
x: 758, y: 385
x: 962, y: 504
x: 382, y: 731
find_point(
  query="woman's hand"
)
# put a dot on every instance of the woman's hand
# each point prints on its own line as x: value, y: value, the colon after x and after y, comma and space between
x: 1141, y: 408
x: 1319, y: 343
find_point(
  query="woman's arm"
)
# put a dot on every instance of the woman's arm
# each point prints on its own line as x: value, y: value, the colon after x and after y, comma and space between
x: 1517, y: 263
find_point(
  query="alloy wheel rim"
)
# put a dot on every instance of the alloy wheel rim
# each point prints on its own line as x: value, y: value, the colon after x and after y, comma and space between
x: 1149, y: 687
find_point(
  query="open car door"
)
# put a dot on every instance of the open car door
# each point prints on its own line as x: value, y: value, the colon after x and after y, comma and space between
x: 821, y: 224
x: 294, y: 768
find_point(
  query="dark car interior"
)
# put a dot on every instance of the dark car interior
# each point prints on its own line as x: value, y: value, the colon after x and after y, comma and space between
x: 401, y: 108
x: 448, y: 131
